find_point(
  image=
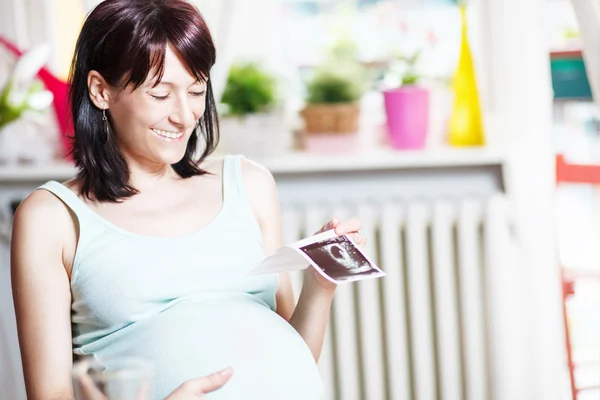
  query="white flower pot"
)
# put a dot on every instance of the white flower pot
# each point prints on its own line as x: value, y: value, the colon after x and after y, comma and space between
x: 255, y: 135
x: 28, y: 141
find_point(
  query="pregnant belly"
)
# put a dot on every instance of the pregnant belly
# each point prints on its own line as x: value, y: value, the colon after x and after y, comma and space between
x: 189, y: 340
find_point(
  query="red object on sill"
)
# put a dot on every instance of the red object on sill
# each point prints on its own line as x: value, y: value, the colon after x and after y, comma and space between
x: 574, y: 53
x: 576, y: 173
x: 60, y: 91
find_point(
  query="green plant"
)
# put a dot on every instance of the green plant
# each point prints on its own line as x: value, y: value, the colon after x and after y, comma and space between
x: 403, y: 70
x: 341, y: 78
x: 410, y: 75
x: 22, y: 92
x: 343, y: 49
x: 331, y: 86
x: 249, y: 89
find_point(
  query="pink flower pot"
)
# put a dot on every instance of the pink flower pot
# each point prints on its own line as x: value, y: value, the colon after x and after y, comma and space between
x: 330, y: 143
x: 407, y: 111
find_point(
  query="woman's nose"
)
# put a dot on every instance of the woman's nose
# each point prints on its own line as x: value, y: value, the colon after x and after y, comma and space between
x: 183, y: 114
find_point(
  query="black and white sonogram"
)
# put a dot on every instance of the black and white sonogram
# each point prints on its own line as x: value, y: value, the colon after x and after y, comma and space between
x: 339, y: 259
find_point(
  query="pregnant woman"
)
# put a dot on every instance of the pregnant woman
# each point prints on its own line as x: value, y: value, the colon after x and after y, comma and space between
x: 146, y: 251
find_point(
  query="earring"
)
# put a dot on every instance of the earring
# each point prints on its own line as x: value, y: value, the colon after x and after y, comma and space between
x: 105, y: 123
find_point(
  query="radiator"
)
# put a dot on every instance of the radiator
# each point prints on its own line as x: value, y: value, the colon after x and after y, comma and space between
x: 423, y: 331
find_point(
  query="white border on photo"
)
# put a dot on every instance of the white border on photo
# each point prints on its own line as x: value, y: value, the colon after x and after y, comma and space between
x: 292, y: 258
x: 350, y: 277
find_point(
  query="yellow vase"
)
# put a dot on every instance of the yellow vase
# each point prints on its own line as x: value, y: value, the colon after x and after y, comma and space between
x: 466, y: 125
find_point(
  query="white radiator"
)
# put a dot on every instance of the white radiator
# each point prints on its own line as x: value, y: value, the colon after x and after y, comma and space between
x: 423, y: 331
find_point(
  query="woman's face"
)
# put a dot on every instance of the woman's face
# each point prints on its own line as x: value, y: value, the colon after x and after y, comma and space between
x: 154, y: 123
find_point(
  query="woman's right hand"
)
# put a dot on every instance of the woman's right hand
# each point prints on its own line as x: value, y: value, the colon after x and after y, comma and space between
x: 195, y: 389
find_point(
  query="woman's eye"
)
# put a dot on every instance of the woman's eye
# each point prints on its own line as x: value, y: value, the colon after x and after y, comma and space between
x: 155, y: 97
x: 198, y: 94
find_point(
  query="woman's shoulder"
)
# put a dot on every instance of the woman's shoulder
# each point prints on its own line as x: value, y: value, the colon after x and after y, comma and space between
x: 40, y: 204
x: 261, y: 190
x: 256, y: 176
x: 41, y: 213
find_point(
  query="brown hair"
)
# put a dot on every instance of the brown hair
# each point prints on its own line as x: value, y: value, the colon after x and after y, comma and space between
x: 124, y: 40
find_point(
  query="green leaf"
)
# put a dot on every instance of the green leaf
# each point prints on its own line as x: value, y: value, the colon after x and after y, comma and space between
x: 410, y: 79
x: 249, y: 89
x: 5, y: 93
x: 336, y: 83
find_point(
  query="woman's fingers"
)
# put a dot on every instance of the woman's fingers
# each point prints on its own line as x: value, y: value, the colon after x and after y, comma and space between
x: 328, y: 226
x: 88, y: 387
x: 209, y: 383
x: 331, y: 224
x: 197, y: 388
x: 358, y: 238
x: 349, y: 226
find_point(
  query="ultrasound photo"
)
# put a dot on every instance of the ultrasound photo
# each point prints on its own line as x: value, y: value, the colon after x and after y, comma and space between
x: 340, y: 259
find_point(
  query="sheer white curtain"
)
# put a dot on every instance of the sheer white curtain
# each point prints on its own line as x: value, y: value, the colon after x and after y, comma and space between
x: 243, y: 30
x: 221, y: 16
x: 11, y: 375
x: 26, y: 23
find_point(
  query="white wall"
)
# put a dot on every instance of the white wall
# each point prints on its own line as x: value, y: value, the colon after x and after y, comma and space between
x: 522, y: 78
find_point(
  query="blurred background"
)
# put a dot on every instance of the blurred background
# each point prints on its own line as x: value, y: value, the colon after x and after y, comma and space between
x: 465, y: 134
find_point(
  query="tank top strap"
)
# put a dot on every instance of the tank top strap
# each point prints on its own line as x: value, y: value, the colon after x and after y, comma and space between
x: 233, y: 185
x: 234, y: 193
x: 76, y: 205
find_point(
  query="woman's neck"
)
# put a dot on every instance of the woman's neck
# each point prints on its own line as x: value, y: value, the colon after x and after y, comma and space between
x: 145, y: 177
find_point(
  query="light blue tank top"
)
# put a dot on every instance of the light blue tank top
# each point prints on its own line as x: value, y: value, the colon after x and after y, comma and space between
x: 186, y: 303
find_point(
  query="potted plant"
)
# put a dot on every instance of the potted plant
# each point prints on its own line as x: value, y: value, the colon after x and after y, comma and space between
x: 332, y: 109
x: 332, y: 102
x: 251, y: 123
x: 407, y: 104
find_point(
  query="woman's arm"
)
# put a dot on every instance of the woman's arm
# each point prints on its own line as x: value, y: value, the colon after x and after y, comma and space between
x: 261, y: 191
x: 309, y: 317
x: 42, y: 295
x: 312, y: 311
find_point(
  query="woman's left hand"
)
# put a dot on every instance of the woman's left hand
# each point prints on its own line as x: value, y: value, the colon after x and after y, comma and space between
x: 350, y: 227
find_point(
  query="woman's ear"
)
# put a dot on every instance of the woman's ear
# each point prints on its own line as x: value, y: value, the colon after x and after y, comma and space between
x: 99, y: 90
